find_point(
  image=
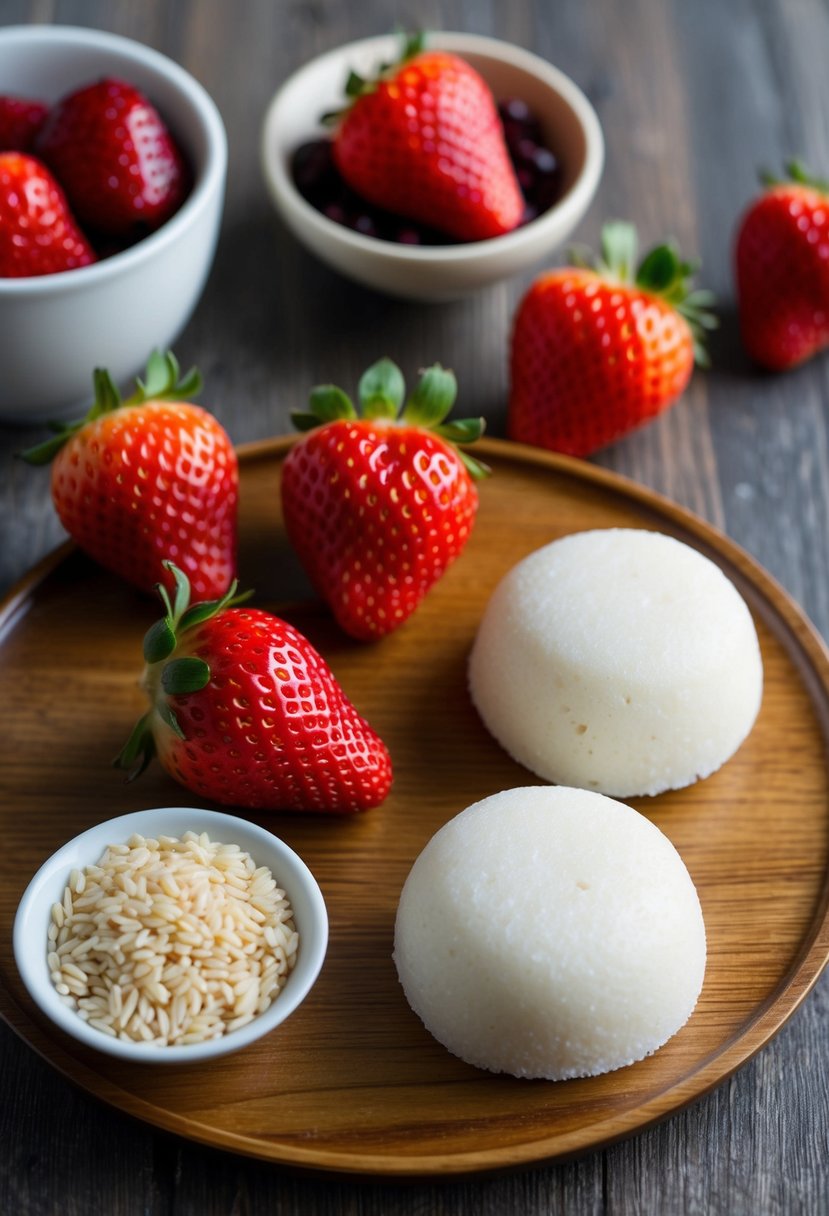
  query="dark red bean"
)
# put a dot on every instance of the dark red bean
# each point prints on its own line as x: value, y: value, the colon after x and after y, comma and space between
x: 365, y: 224
x: 544, y: 161
x: 314, y: 169
x: 526, y: 151
x: 513, y: 134
x: 515, y: 110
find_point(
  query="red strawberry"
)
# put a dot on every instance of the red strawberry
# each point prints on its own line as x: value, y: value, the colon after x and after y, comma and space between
x: 377, y: 508
x: 244, y: 711
x: 782, y: 257
x: 115, y: 158
x: 20, y: 120
x: 425, y: 140
x: 596, y: 353
x: 151, y: 478
x: 37, y: 232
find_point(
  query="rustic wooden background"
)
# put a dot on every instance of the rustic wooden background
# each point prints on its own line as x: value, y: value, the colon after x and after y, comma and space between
x: 693, y: 98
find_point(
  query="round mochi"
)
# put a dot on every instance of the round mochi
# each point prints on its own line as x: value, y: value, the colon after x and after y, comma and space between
x: 617, y: 660
x: 550, y: 932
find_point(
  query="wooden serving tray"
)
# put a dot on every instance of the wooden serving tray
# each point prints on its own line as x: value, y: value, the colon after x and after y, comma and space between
x: 352, y: 1082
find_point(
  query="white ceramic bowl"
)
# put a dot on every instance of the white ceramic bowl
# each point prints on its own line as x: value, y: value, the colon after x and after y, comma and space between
x: 55, y: 329
x: 449, y: 271
x: 46, y: 888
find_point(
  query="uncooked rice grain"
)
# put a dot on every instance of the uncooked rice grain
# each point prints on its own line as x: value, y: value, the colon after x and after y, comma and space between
x: 171, y: 941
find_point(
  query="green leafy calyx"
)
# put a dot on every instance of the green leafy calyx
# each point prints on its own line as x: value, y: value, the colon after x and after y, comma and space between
x: 795, y: 173
x: 662, y: 272
x: 167, y: 674
x: 382, y: 396
x: 162, y: 381
x: 357, y: 86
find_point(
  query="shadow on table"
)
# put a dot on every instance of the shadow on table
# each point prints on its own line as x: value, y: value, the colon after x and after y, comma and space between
x: 273, y: 304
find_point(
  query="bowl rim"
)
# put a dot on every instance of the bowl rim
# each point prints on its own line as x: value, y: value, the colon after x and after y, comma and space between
x: 208, y: 181
x: 286, y: 196
x: 148, y: 822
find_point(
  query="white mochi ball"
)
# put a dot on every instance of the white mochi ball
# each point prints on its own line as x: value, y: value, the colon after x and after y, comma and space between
x: 617, y: 660
x: 550, y: 932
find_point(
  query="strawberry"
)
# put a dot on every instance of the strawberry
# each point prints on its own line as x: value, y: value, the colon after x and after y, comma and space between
x: 244, y: 711
x: 424, y: 139
x: 139, y: 481
x: 115, y: 158
x: 20, y: 120
x: 598, y: 352
x: 38, y: 234
x: 782, y: 257
x: 377, y: 507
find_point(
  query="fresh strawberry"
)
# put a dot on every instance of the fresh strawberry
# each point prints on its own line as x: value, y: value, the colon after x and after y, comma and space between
x: 20, y: 120
x: 598, y: 352
x: 38, y: 234
x: 782, y: 256
x: 152, y: 478
x: 425, y: 140
x: 377, y: 507
x: 245, y: 711
x: 115, y: 158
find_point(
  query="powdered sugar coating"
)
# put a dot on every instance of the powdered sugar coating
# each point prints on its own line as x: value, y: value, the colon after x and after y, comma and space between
x: 550, y: 933
x: 618, y: 660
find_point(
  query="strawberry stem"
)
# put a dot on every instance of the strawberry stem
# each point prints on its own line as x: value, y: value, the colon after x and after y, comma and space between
x: 381, y: 393
x: 329, y: 403
x: 619, y: 251
x: 476, y: 469
x: 138, y: 750
x: 414, y: 44
x: 795, y: 171
x: 106, y: 395
x: 162, y: 381
x: 461, y: 430
x: 159, y: 641
x: 662, y: 272
x: 432, y: 399
x: 357, y: 86
x: 170, y: 677
x: 381, y: 390
x: 181, y: 676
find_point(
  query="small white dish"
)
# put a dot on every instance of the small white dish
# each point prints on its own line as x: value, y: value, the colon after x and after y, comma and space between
x: 448, y: 271
x: 55, y: 329
x: 46, y: 888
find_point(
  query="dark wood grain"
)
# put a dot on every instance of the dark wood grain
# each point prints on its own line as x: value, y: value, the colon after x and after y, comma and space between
x: 692, y: 97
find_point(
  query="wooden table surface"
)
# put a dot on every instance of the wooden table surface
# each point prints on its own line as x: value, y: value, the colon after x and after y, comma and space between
x: 693, y: 98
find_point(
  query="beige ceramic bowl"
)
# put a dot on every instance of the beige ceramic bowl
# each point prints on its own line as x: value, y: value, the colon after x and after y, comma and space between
x: 449, y: 271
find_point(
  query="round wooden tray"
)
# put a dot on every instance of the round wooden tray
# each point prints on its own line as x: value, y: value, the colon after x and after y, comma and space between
x: 353, y: 1082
